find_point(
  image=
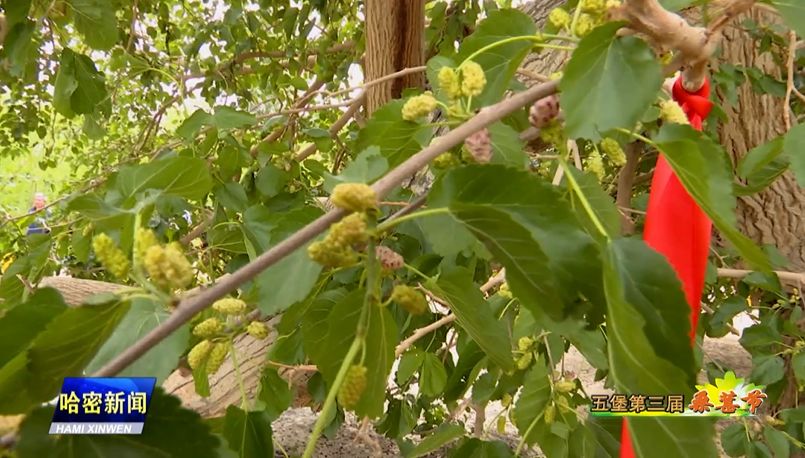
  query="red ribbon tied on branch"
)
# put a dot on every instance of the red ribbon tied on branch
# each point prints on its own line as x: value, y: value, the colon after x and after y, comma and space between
x: 675, y: 225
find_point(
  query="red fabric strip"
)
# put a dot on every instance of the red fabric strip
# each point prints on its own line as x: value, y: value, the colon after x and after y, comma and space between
x: 675, y: 225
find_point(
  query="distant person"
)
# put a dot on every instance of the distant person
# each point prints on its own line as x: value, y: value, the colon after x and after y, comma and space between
x: 39, y: 225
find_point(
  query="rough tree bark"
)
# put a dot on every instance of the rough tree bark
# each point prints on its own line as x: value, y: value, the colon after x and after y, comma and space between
x: 777, y: 215
x: 394, y: 41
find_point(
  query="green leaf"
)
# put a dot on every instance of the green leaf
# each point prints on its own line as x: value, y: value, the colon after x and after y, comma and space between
x: 507, y: 146
x: 635, y: 367
x: 396, y: 137
x: 528, y: 226
x: 533, y: 399
x: 95, y: 19
x: 169, y: 431
x: 232, y: 196
x: 62, y: 349
x: 19, y: 47
x: 315, y: 322
x: 434, y: 376
x: 272, y: 289
x: 444, y: 434
x: 69, y: 343
x: 726, y: 311
x: 143, y: 316
x: 700, y: 165
x: 476, y: 448
x: 759, y: 157
x: 798, y: 364
x: 793, y: 13
x: 193, y: 124
x: 16, y: 11
x: 94, y: 207
x: 767, y: 370
x: 381, y: 338
x: 777, y: 442
x: 608, y: 83
x: 474, y: 314
x: 248, y: 433
x: 181, y: 176
x: 651, y: 288
x: 270, y: 181
x: 446, y: 236
x: 761, y: 166
x: 230, y: 118
x: 602, y: 204
x: 501, y: 62
x: 20, y: 325
x: 365, y: 168
x: 398, y: 421
x: 275, y: 393
x: 735, y: 440
x: 410, y: 362
x: 90, y: 89
x: 794, y: 145
x: 29, y: 267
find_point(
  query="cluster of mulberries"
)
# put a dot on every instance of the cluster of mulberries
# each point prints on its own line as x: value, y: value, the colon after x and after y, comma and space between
x: 613, y: 151
x: 544, y: 111
x: 229, y: 306
x: 504, y: 291
x: 143, y: 240
x: 670, y: 111
x: 209, y: 328
x: 257, y: 329
x: 553, y: 134
x: 354, y: 197
x: 446, y: 161
x: 410, y: 299
x: 352, y: 387
x: 389, y: 259
x: 167, y: 266
x: 593, y: 14
x: 338, y: 248
x: 110, y: 256
x: 207, y: 354
x: 418, y: 106
x: 473, y: 79
x: 525, y: 346
x: 449, y: 82
x: 468, y: 80
x: 479, y: 146
x: 595, y: 164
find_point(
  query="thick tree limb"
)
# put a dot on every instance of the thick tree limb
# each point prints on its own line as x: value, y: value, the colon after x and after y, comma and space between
x: 670, y: 31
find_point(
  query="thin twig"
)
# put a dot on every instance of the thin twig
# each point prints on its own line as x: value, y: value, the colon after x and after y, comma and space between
x: 710, y: 311
x: 336, y: 127
x: 796, y: 278
x: 792, y: 40
x: 626, y: 179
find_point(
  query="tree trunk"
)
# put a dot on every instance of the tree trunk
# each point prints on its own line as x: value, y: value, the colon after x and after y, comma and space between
x: 777, y: 215
x: 545, y: 61
x: 394, y: 41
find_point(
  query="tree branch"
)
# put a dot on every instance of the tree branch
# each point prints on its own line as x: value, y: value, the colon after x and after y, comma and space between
x: 670, y: 31
x: 188, y: 308
x: 626, y: 180
x: 336, y: 127
x: 795, y: 278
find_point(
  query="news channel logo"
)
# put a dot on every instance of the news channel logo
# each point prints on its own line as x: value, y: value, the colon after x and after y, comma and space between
x: 102, y: 405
